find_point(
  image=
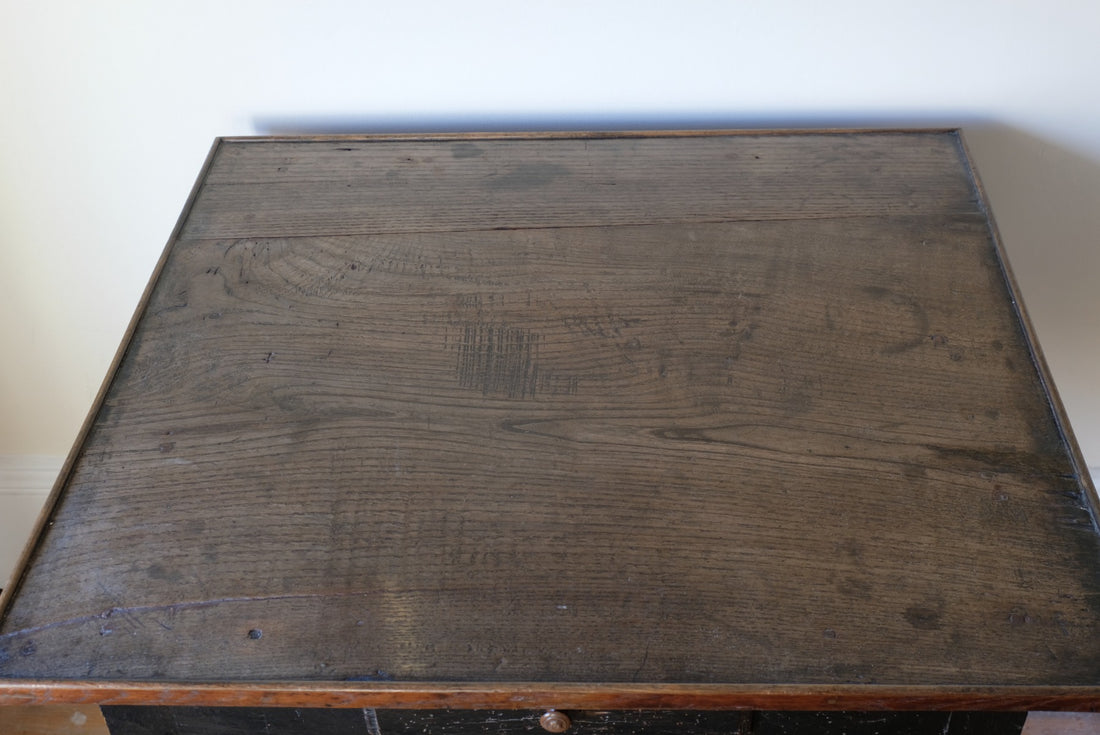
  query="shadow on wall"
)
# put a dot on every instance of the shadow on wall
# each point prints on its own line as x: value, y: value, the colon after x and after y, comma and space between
x: 1046, y: 201
x: 380, y: 124
x: 1045, y: 197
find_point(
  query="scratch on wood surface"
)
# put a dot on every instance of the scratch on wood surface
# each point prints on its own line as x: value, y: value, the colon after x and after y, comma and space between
x: 645, y: 658
x: 496, y: 358
x: 129, y: 613
x: 370, y: 718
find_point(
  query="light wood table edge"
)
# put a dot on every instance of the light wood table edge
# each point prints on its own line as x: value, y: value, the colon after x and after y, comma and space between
x: 511, y: 695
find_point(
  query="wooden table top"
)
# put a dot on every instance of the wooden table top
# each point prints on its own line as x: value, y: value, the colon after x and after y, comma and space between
x: 613, y: 420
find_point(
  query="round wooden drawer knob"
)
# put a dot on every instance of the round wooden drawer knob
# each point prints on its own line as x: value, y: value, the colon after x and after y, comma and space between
x: 554, y: 721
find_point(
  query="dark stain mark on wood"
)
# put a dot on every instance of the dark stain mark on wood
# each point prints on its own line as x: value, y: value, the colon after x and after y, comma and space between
x: 527, y: 176
x: 923, y: 617
x: 378, y: 675
x: 916, y: 314
x: 161, y: 573
x: 466, y: 150
x: 1008, y: 460
x: 855, y: 587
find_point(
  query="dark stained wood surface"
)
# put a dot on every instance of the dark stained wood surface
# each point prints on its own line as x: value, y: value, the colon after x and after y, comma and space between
x: 707, y: 410
x: 350, y: 187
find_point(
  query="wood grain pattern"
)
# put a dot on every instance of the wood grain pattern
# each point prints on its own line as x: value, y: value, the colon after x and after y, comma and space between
x: 287, y: 188
x: 521, y: 695
x: 720, y: 411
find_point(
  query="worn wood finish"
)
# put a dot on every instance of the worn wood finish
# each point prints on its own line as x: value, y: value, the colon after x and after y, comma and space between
x: 74, y: 453
x: 716, y: 410
x: 341, y: 187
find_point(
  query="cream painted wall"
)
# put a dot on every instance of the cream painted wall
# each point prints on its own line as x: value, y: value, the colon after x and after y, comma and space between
x: 109, y: 109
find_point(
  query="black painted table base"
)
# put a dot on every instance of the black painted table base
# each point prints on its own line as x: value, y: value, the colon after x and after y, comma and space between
x: 290, y: 721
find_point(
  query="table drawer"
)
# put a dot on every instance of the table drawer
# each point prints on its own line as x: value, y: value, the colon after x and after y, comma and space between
x: 290, y: 721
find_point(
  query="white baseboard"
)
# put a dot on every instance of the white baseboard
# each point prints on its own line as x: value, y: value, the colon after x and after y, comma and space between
x: 28, y: 473
x: 25, y: 481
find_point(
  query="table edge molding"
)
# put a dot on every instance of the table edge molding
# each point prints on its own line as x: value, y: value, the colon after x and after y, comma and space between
x: 565, y: 696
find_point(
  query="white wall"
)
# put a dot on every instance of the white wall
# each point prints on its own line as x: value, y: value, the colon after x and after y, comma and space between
x: 109, y: 109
